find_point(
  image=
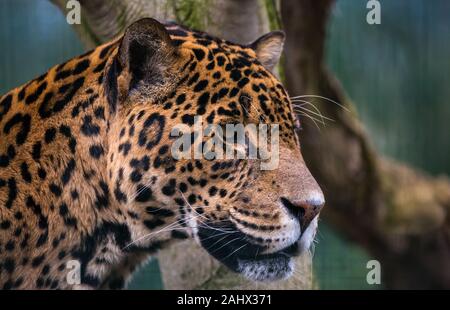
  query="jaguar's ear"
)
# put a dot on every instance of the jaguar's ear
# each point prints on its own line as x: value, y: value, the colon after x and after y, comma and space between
x: 145, y: 53
x: 268, y: 48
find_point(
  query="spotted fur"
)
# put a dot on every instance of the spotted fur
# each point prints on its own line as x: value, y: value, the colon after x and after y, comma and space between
x: 86, y: 172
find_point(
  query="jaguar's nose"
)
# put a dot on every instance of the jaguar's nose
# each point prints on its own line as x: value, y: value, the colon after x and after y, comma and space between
x: 304, y: 210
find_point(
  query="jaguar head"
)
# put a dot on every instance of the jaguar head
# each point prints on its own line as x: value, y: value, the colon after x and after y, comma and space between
x: 178, y: 90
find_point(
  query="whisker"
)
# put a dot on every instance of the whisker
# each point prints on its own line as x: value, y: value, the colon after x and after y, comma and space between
x: 318, y: 113
x: 301, y: 112
x: 217, y: 241
x: 220, y: 234
x: 312, y: 118
x: 169, y: 227
x: 219, y: 229
x: 298, y: 109
x: 257, y: 252
x: 199, y: 215
x: 324, y: 98
x: 238, y: 249
x: 146, y: 185
x: 226, y: 244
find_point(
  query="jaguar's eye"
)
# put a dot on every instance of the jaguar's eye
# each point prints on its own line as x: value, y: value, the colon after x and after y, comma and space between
x: 245, y: 101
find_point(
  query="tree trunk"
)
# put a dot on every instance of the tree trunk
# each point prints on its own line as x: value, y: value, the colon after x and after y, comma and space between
x: 398, y: 214
x: 235, y: 20
x: 102, y: 20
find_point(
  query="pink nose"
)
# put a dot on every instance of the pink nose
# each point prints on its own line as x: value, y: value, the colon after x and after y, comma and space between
x: 304, y: 211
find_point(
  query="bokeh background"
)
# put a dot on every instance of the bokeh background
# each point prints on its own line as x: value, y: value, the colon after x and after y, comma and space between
x: 397, y: 74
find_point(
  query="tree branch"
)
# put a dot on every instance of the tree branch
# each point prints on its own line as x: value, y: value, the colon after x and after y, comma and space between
x: 397, y: 213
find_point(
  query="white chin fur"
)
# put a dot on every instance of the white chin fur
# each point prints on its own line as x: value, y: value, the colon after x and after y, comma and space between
x: 276, y: 269
x: 266, y: 270
x: 308, y: 235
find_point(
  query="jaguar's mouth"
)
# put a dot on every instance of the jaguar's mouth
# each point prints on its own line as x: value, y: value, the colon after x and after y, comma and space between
x: 236, y: 250
x: 268, y: 267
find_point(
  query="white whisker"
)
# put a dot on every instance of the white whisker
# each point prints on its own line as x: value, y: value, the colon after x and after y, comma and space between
x: 309, y: 112
x: 318, y: 113
x: 324, y: 98
x: 241, y: 247
x: 226, y: 244
x: 312, y: 118
x: 169, y: 227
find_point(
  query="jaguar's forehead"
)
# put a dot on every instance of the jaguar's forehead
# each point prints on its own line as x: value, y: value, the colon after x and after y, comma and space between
x: 216, y: 56
x: 233, y: 71
x: 207, y: 48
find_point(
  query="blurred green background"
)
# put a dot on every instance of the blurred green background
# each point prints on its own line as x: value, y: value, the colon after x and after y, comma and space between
x: 397, y: 73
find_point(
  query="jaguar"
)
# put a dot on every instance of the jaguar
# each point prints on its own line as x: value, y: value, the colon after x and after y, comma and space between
x: 88, y: 179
